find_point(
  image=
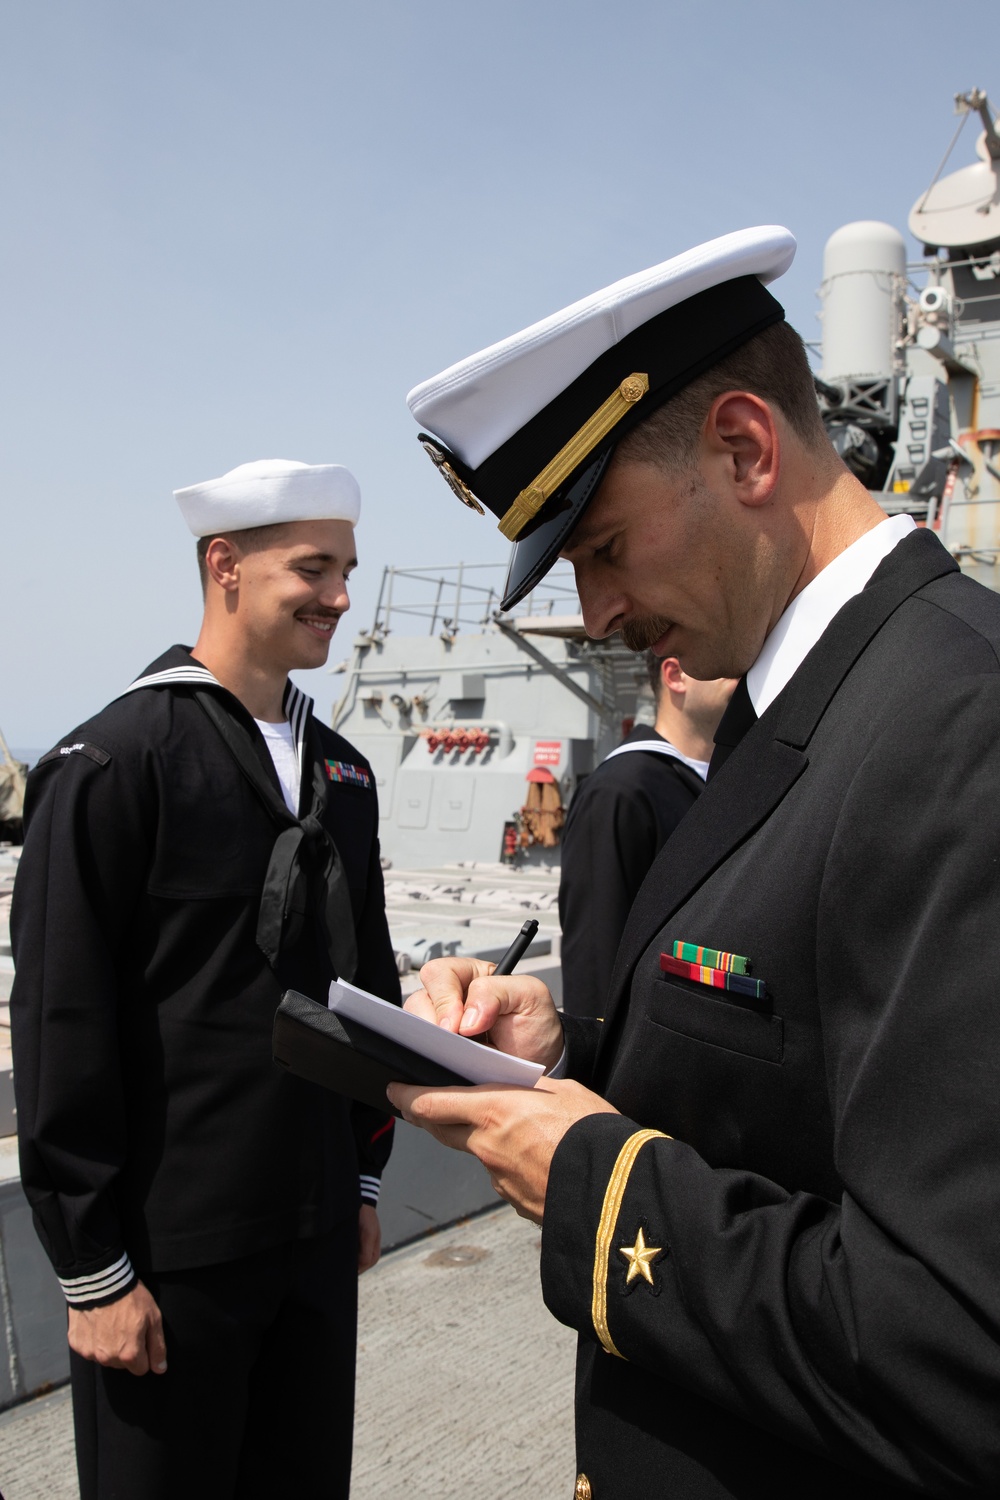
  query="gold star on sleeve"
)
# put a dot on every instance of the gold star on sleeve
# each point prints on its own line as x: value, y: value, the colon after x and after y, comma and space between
x: 640, y: 1257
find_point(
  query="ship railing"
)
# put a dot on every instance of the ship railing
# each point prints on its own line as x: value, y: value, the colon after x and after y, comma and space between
x: 466, y: 597
x: 462, y: 596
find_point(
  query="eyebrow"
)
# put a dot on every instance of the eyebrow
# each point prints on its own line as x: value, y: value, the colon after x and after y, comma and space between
x: 324, y: 557
x: 584, y: 535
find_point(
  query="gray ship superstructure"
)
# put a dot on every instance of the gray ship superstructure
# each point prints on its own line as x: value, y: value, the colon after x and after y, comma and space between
x: 478, y: 726
x: 910, y: 377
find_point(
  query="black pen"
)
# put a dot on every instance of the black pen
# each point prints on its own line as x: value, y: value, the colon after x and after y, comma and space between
x: 510, y: 960
x: 518, y: 948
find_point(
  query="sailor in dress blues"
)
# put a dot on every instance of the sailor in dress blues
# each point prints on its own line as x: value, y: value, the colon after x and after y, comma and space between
x: 187, y: 858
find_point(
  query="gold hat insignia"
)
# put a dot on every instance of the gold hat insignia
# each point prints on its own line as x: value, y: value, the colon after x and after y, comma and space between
x: 459, y: 486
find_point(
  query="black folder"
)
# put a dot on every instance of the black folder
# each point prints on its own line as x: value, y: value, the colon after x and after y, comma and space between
x: 314, y: 1043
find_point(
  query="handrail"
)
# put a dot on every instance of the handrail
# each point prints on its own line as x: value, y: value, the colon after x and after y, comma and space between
x: 603, y: 710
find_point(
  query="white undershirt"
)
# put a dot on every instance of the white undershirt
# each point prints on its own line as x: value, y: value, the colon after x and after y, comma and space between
x: 278, y: 739
x: 810, y: 612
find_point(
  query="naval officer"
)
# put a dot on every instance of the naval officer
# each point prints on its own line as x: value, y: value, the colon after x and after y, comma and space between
x: 200, y: 844
x: 620, y: 818
x: 768, y: 1186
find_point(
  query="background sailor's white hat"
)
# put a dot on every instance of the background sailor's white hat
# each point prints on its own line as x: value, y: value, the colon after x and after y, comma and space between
x: 526, y: 427
x: 269, y: 492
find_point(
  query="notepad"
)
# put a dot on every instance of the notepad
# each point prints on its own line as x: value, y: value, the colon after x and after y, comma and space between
x: 460, y: 1054
x: 357, y: 1044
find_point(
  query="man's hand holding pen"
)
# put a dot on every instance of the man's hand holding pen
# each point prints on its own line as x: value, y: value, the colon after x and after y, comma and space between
x: 513, y: 1131
x: 471, y: 997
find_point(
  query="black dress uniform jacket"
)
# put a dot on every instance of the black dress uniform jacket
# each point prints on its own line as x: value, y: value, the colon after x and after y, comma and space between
x: 816, y: 1176
x: 153, y: 1125
x: 618, y: 821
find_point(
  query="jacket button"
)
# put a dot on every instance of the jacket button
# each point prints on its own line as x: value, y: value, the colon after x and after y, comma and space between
x: 583, y: 1490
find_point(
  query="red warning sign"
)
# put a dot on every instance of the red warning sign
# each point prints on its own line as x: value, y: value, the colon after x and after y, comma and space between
x: 548, y: 752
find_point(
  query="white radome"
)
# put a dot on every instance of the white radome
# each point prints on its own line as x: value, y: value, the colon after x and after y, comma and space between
x: 864, y: 270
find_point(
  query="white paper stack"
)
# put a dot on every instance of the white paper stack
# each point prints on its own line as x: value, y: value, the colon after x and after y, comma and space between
x: 464, y: 1056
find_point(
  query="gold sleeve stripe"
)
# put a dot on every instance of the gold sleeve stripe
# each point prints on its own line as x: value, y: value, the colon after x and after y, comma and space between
x: 530, y: 501
x: 606, y: 1230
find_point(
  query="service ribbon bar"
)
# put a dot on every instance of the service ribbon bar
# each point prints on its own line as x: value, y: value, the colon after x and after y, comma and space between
x: 719, y: 979
x: 732, y: 963
x: 342, y: 770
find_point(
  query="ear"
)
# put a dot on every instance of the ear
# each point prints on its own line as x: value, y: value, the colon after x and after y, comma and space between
x: 222, y: 563
x: 743, y: 439
x: 671, y: 676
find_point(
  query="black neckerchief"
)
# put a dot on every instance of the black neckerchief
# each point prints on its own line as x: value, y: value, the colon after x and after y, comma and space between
x: 305, y: 871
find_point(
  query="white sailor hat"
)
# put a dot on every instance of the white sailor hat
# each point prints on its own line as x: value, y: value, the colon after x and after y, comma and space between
x: 527, y: 427
x: 268, y: 493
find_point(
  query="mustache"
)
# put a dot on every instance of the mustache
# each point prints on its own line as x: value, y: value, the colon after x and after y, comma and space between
x: 640, y: 633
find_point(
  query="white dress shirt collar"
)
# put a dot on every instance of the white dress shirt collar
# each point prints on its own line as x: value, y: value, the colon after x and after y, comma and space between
x: 810, y: 612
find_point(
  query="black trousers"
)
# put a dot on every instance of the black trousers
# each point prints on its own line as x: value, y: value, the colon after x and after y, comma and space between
x: 258, y: 1397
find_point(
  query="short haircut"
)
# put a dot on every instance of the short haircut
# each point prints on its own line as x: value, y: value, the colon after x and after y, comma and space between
x: 773, y: 365
x: 251, y: 539
x: 653, y: 665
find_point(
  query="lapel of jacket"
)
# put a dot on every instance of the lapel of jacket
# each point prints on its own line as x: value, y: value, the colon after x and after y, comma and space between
x: 770, y: 758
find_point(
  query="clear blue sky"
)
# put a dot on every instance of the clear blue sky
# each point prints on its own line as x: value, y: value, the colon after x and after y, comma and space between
x: 235, y: 229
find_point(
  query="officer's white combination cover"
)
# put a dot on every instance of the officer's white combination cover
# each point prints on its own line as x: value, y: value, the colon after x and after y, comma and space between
x: 478, y: 404
x: 268, y: 492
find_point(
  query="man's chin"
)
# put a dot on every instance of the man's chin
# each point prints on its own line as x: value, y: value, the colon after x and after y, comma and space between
x: 310, y: 647
x: 317, y: 658
x: 307, y: 656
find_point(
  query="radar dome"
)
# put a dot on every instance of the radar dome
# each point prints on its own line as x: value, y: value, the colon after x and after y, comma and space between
x: 864, y: 271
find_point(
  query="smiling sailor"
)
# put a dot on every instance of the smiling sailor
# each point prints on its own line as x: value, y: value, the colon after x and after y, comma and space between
x: 195, y: 848
x: 768, y: 1182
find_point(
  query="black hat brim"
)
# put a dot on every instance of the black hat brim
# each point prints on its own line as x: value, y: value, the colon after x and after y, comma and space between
x: 533, y: 555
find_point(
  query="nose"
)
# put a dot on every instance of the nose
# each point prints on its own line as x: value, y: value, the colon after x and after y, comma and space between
x: 335, y: 595
x: 602, y: 611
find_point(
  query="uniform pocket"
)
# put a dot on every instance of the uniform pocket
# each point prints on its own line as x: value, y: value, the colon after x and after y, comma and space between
x: 720, y: 1023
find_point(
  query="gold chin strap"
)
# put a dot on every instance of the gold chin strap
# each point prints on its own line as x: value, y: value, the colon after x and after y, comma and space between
x: 530, y: 501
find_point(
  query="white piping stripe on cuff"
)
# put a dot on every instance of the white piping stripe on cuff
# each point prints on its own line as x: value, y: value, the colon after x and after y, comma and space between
x: 69, y: 1282
x: 100, y: 1284
x: 106, y: 1291
x: 371, y: 1187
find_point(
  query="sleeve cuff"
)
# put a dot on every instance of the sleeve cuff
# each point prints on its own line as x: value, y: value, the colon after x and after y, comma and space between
x: 370, y: 1189
x: 580, y: 1037
x: 558, y: 1070
x: 98, y: 1288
